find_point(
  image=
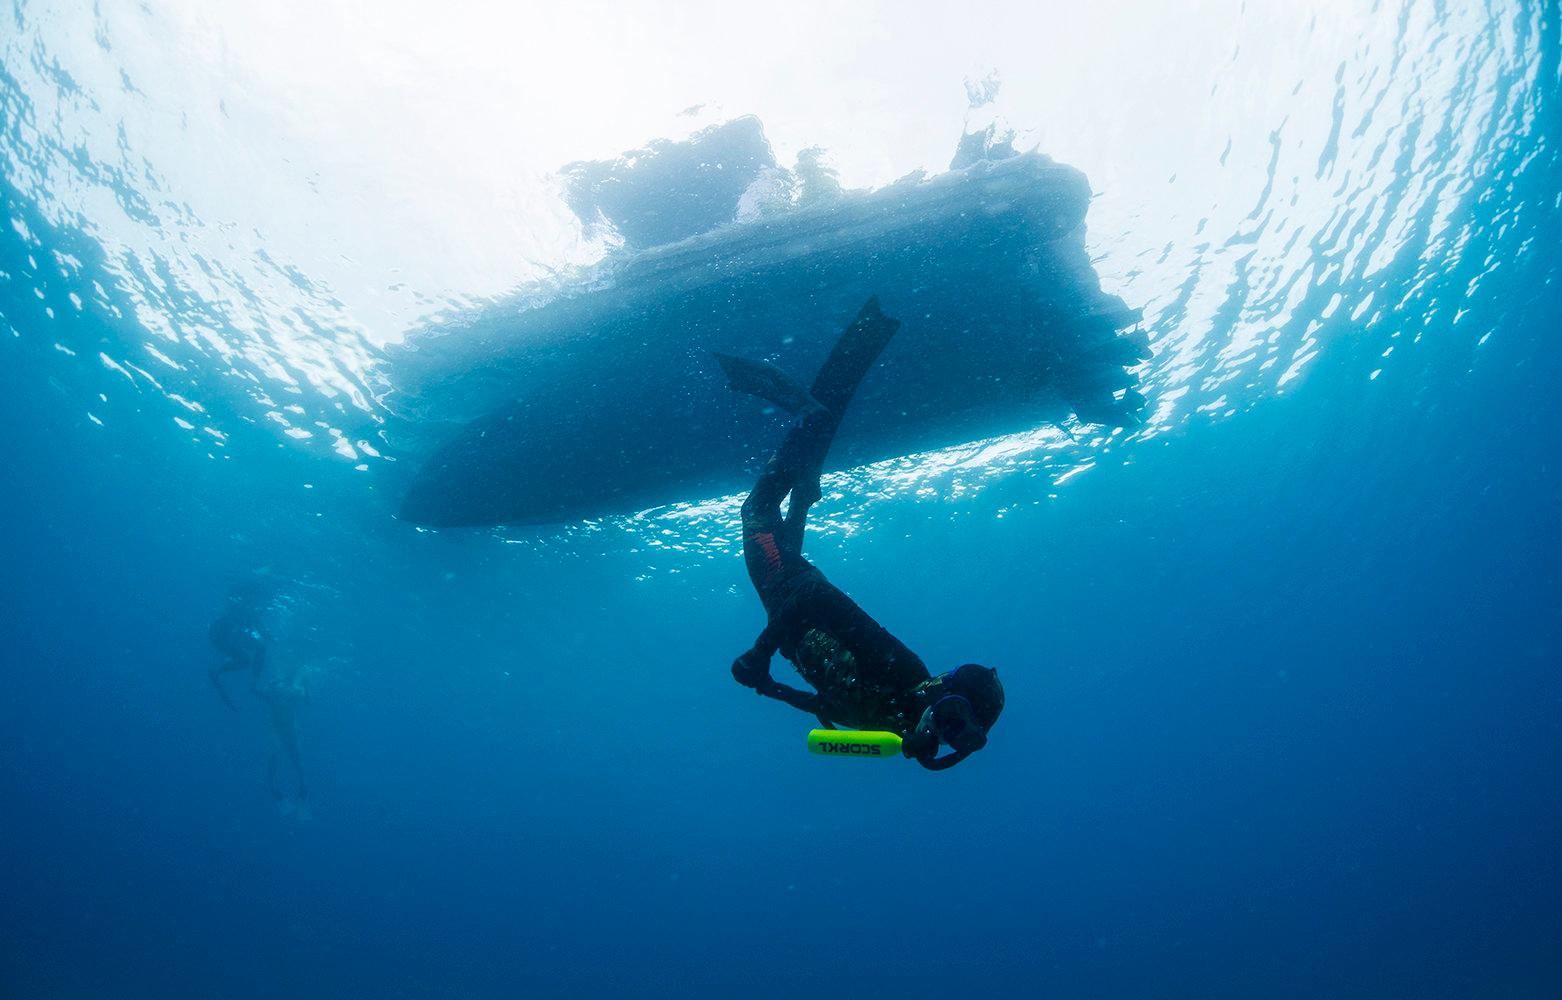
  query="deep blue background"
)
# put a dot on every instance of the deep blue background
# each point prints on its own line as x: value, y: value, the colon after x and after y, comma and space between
x: 1284, y: 708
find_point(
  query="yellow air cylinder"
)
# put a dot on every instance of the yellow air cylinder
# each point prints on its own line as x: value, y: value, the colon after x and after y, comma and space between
x: 853, y: 743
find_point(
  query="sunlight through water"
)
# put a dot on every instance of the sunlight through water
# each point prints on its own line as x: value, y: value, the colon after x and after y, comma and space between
x: 262, y: 198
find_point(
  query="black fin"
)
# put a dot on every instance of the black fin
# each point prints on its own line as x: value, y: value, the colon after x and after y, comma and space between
x: 853, y: 356
x: 765, y: 380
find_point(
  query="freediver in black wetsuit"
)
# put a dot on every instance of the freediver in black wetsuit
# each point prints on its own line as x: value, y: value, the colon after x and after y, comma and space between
x: 863, y: 677
x: 240, y: 635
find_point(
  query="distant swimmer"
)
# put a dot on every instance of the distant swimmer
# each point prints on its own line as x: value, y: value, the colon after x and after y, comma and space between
x: 241, y: 635
x: 863, y: 677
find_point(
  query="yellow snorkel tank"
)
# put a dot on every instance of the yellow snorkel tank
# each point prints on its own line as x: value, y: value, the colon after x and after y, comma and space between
x: 853, y: 743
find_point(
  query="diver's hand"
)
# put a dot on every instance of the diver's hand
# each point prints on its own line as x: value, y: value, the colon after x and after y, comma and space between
x: 752, y: 670
x: 919, y: 745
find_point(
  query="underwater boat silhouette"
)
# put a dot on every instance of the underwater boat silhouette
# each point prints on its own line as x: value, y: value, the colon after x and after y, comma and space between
x: 615, y: 403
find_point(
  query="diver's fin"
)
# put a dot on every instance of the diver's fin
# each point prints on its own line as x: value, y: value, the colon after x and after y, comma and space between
x: 854, y: 354
x: 222, y: 692
x: 765, y: 380
x: 852, y: 357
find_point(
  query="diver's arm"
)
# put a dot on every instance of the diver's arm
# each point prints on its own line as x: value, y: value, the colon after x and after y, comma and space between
x: 215, y: 673
x: 768, y: 641
x: 752, y: 668
x: 803, y: 701
x: 943, y: 763
x: 922, y: 746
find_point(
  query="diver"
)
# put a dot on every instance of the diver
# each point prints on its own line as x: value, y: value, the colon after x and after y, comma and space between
x: 240, y: 634
x: 864, y: 678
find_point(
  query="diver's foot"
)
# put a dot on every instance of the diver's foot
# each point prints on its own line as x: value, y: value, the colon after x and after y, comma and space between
x: 805, y: 496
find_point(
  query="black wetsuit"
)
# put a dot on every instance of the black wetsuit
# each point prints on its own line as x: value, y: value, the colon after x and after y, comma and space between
x: 865, y: 677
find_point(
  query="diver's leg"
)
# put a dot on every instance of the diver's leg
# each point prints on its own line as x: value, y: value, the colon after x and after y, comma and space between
x: 772, y: 543
x: 802, y: 454
x: 761, y: 521
x: 294, y: 758
x: 284, y: 725
x: 853, y: 355
x: 805, y: 493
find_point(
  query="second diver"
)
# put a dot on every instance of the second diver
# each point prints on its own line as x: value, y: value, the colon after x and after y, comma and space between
x: 241, y: 636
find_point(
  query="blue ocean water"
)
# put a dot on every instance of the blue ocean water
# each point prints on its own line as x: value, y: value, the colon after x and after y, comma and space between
x: 1282, y: 665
